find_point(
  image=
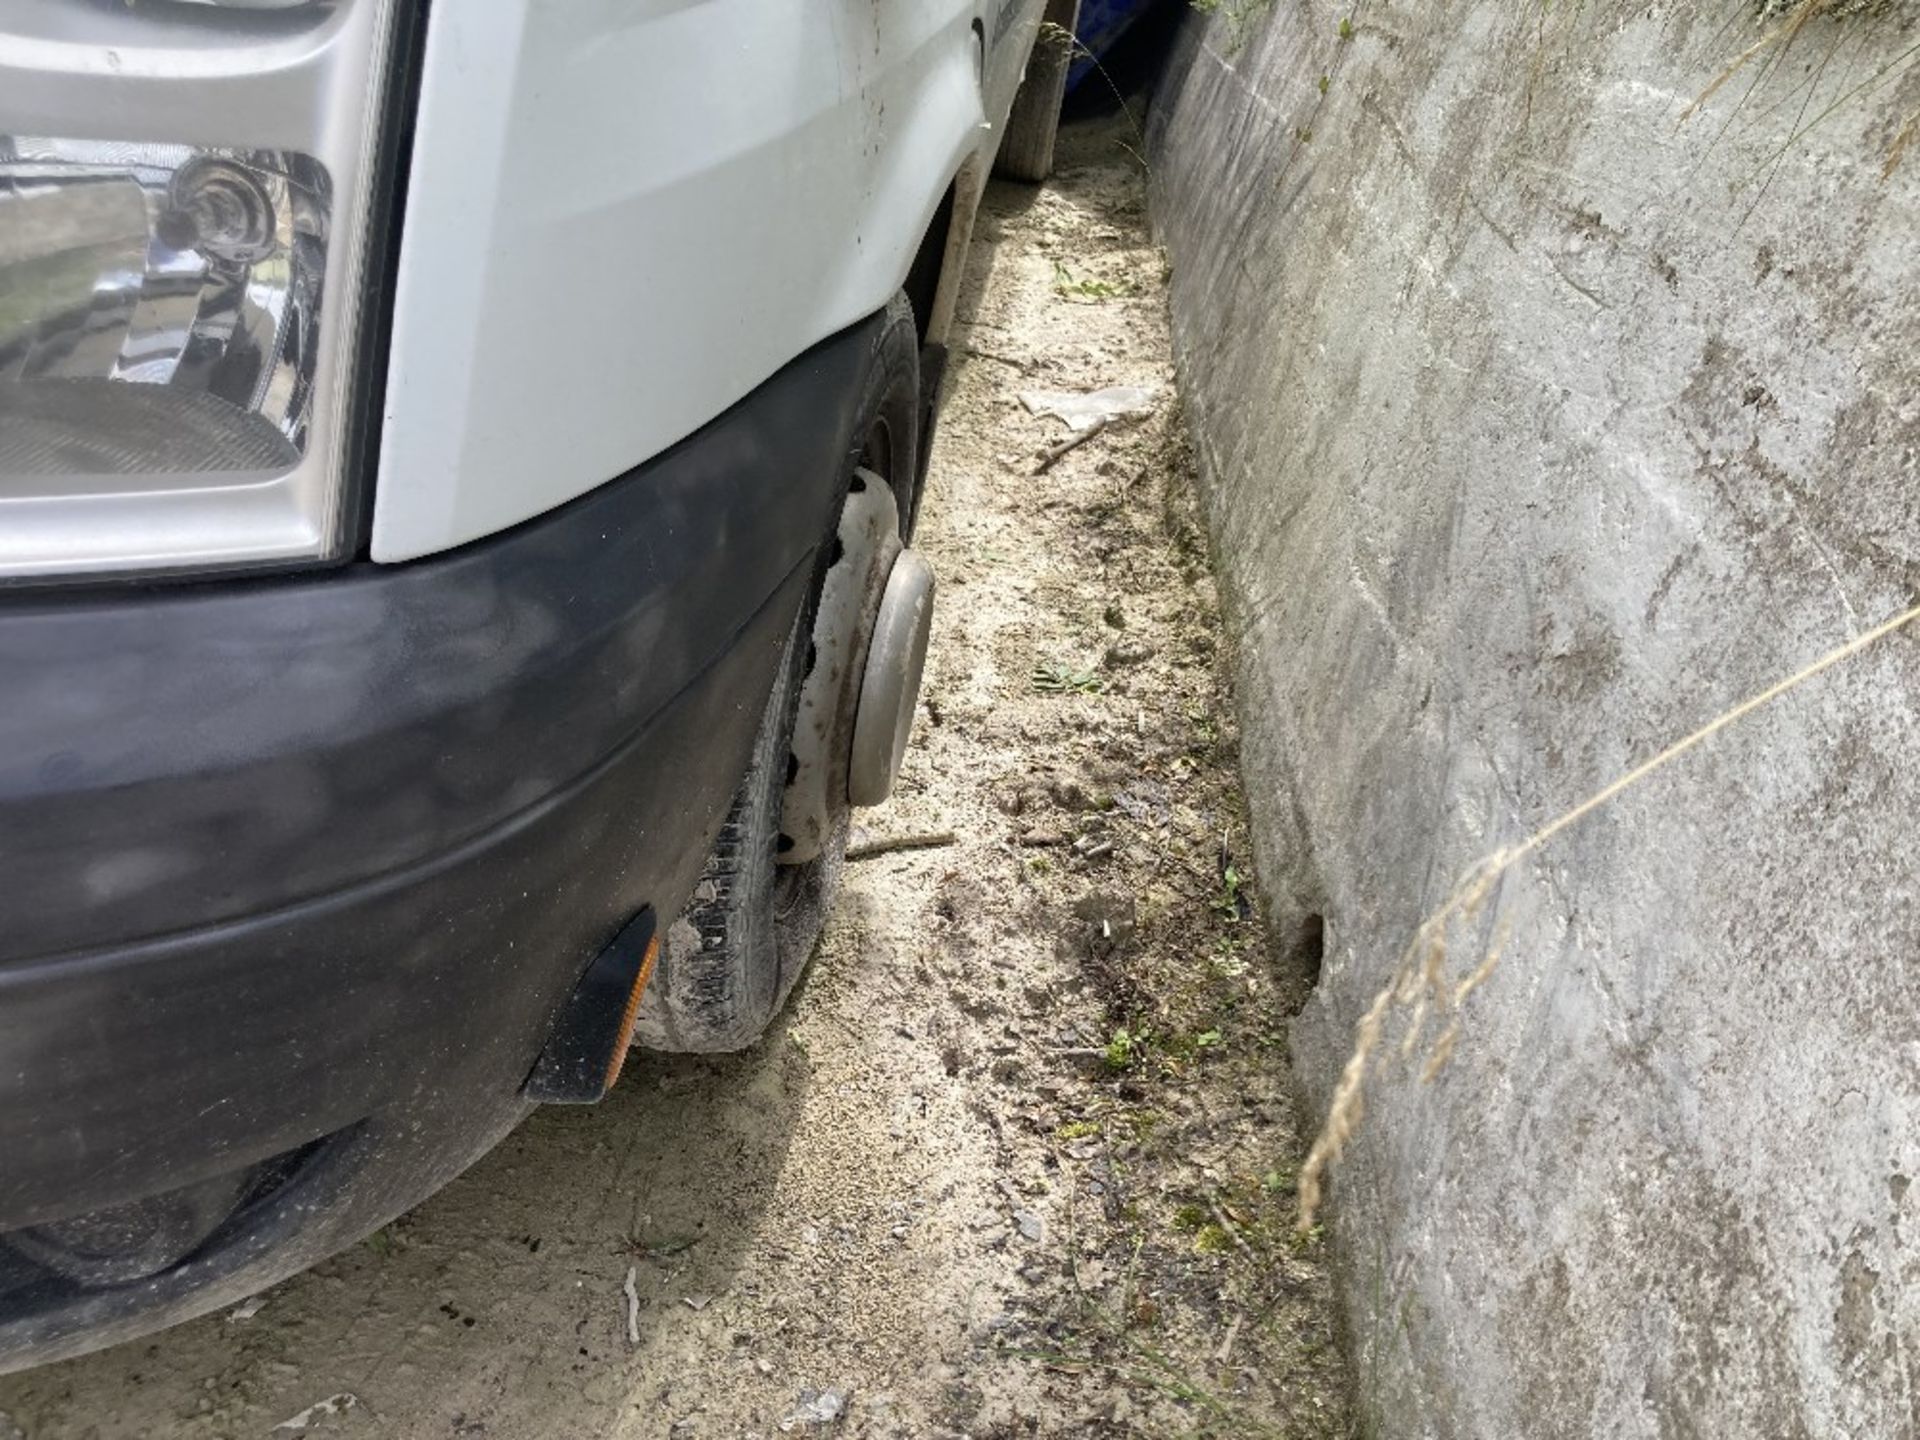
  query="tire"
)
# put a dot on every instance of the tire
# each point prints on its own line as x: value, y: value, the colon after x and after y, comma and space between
x: 730, y: 962
x: 1026, y: 145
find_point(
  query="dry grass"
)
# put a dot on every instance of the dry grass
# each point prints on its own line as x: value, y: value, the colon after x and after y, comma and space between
x: 1419, y: 982
x: 1773, y: 49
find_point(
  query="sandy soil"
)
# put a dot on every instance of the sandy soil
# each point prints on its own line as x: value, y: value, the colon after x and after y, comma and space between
x: 1019, y: 1160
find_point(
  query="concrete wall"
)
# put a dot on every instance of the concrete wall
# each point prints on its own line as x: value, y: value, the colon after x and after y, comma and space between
x: 1537, y: 427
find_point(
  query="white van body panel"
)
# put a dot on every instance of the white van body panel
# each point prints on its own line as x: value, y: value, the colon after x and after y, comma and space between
x: 623, y: 215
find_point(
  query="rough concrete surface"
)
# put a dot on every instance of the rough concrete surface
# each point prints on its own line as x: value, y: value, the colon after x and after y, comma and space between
x: 1538, y: 424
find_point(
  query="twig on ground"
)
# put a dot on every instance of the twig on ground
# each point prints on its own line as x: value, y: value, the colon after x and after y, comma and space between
x: 1232, y: 1231
x: 1020, y: 867
x: 888, y: 844
x: 1053, y: 453
x: 633, y: 1307
x: 1126, y: 1284
x: 1012, y: 362
x: 1225, y: 1352
x: 1041, y: 839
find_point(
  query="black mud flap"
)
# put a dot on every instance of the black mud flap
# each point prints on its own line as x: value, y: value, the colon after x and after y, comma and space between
x: 589, y: 1043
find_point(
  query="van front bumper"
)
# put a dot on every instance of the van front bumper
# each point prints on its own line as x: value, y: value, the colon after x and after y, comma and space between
x: 295, y: 875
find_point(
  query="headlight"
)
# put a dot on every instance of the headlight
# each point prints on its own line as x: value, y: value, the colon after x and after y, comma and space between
x: 165, y: 309
x: 183, y: 201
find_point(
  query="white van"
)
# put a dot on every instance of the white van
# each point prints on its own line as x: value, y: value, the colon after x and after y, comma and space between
x: 457, y: 469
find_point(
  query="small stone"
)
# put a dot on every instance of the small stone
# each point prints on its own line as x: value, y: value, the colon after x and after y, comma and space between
x: 1070, y: 795
x: 1128, y: 652
x: 1030, y: 1225
x: 1093, y: 847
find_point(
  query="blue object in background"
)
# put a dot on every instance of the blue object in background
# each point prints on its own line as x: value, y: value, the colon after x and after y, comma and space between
x: 1101, y: 23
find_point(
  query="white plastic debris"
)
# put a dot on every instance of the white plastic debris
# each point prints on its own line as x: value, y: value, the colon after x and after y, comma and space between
x: 320, y: 1409
x: 1084, y: 410
x: 815, y: 1407
x: 633, y: 1306
x: 248, y: 1308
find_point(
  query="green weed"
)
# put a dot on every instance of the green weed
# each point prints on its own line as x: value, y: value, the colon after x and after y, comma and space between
x: 1089, y: 289
x: 1126, y: 1047
x: 1227, y: 903
x: 1056, y: 678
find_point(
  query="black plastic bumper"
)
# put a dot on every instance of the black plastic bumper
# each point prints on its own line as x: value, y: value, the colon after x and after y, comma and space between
x: 295, y: 875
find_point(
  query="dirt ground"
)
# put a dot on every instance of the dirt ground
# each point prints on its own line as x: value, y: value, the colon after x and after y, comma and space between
x: 1019, y: 1160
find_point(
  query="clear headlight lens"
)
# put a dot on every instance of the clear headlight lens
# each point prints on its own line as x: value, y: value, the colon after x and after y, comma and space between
x: 185, y: 203
x: 159, y: 307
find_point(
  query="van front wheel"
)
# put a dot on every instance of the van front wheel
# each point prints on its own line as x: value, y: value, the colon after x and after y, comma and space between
x: 730, y: 962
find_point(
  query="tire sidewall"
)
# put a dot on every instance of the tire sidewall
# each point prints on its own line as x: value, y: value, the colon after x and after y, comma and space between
x: 732, y: 960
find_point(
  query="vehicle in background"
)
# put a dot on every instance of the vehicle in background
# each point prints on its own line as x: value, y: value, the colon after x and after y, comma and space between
x: 1101, y: 25
x: 457, y: 471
